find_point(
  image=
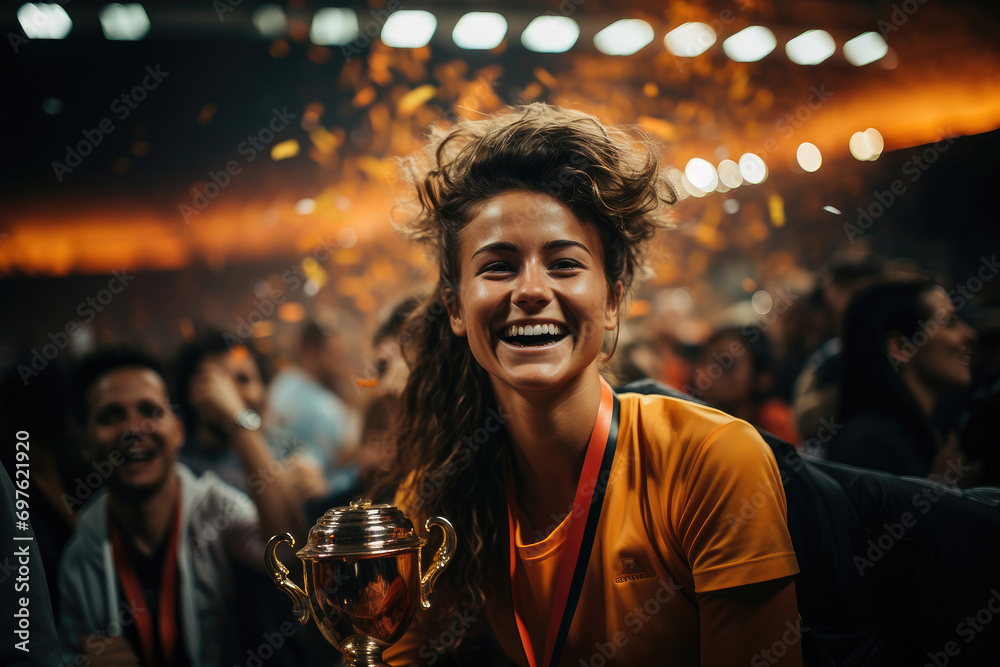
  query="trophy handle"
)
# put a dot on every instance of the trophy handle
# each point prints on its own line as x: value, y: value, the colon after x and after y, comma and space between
x: 278, y: 572
x: 440, y: 560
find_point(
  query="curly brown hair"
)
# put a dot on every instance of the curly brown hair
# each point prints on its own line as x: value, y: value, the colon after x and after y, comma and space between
x: 448, y: 453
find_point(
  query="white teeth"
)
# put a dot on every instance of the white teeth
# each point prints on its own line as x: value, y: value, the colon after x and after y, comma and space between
x: 138, y: 455
x: 533, y: 330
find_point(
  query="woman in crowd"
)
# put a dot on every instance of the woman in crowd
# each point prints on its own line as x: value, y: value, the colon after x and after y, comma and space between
x: 216, y: 380
x: 904, y: 348
x: 734, y: 372
x: 589, y: 524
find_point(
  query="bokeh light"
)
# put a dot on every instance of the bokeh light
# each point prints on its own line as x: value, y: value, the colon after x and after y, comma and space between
x: 44, y: 21
x: 811, y: 47
x: 624, y: 37
x: 480, y: 31
x: 550, y: 34
x: 761, y: 302
x: 690, y: 39
x: 701, y: 174
x: 752, y: 168
x: 729, y: 174
x: 808, y: 156
x: 750, y: 44
x: 271, y: 22
x: 124, y: 22
x: 866, y: 48
x: 409, y: 29
x: 866, y: 146
x: 333, y: 25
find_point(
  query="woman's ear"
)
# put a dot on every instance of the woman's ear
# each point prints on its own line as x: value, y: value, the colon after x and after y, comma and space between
x: 455, y: 315
x: 613, y: 306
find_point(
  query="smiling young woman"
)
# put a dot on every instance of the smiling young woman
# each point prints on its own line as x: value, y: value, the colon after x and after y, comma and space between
x: 591, y: 526
x: 904, y: 348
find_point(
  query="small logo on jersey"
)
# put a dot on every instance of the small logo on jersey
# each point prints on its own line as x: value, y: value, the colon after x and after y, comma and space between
x: 629, y: 566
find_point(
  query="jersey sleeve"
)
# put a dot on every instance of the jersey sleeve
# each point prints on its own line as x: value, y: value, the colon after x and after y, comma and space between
x: 732, y: 520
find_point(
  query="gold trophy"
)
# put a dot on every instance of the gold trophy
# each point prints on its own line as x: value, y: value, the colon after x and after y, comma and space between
x: 362, y: 577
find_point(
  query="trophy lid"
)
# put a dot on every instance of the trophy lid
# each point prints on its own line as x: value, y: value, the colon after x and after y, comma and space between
x: 362, y: 529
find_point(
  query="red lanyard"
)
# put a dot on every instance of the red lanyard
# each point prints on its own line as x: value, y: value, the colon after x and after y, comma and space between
x: 580, y: 535
x: 167, y: 612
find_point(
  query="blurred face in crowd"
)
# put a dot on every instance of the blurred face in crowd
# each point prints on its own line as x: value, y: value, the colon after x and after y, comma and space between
x: 391, y: 367
x: 723, y: 373
x: 242, y: 368
x: 247, y: 389
x: 333, y: 359
x: 942, y: 363
x: 131, y: 426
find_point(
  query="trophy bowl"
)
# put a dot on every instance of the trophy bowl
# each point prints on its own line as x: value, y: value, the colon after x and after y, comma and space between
x: 362, y: 576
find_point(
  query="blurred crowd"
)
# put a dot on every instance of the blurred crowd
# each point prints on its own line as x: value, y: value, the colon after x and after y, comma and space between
x: 875, y: 366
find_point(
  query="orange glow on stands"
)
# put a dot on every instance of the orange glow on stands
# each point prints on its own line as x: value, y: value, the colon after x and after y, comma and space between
x: 758, y: 119
x: 291, y: 312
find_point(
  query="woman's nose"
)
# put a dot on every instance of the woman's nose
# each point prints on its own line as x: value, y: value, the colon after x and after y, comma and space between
x: 968, y: 332
x: 532, y: 288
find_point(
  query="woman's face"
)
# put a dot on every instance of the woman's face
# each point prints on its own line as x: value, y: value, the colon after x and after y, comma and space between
x: 942, y: 362
x: 532, y: 299
x: 724, y: 373
x: 246, y: 376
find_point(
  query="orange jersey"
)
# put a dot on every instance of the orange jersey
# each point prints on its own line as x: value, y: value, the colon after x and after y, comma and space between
x: 694, y: 504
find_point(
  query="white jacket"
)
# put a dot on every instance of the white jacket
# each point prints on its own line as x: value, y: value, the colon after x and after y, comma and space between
x: 218, y: 524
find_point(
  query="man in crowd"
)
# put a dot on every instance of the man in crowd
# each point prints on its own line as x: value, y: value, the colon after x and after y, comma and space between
x: 312, y: 403
x: 147, y: 578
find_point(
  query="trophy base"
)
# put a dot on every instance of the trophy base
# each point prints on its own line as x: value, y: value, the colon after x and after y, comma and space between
x: 362, y: 651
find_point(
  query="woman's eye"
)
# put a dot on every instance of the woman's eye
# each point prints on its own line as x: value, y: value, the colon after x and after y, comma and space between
x: 566, y: 264
x: 496, y: 267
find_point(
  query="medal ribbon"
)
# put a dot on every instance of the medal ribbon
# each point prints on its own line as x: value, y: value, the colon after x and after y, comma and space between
x: 167, y: 612
x: 580, y: 533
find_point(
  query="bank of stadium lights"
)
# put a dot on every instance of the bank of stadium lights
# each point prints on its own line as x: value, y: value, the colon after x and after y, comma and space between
x: 334, y: 26
x: 124, y: 22
x: 271, y: 22
x: 690, y: 39
x: 624, y: 37
x: 811, y: 47
x: 409, y: 29
x: 750, y: 44
x: 44, y: 21
x: 480, y: 31
x: 550, y: 34
x: 865, y: 48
